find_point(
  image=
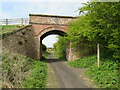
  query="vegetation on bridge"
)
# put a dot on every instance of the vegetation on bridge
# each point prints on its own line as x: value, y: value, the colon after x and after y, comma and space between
x: 99, y: 23
x: 22, y: 72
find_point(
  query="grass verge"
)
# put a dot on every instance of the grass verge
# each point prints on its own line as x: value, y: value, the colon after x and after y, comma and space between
x: 105, y: 76
x: 19, y: 71
x: 84, y: 62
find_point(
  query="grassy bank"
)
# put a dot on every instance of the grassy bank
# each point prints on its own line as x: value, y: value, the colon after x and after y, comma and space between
x: 8, y: 28
x: 22, y: 72
x: 105, y: 76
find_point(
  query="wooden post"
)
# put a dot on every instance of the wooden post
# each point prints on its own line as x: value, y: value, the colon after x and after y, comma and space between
x: 6, y: 21
x: 25, y: 21
x: 22, y: 21
x: 98, y: 54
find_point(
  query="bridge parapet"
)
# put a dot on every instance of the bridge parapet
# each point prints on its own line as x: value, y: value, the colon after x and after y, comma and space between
x: 50, y: 19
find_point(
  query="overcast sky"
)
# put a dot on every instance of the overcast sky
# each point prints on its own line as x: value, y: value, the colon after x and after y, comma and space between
x: 22, y: 9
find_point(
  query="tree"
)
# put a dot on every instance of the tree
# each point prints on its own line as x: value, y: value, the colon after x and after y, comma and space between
x: 60, y: 48
x: 99, y: 24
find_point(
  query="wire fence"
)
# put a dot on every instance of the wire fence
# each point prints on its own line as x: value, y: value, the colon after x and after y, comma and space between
x: 14, y: 21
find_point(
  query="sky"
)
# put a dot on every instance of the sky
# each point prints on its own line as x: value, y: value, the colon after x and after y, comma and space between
x: 22, y: 9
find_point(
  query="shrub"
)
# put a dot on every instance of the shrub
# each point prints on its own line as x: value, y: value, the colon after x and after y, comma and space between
x: 37, y: 78
x: 17, y: 69
x: 84, y: 62
x: 60, y: 48
x: 105, y: 76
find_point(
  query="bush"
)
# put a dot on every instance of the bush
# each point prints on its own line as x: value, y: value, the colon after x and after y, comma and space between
x: 60, y: 48
x: 84, y: 62
x: 98, y: 23
x: 45, y: 54
x: 105, y: 76
x: 18, y: 69
x: 37, y: 78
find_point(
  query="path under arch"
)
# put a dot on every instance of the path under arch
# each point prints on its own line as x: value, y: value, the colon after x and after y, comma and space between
x: 60, y: 75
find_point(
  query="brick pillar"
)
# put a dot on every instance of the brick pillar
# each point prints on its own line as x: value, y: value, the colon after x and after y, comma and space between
x: 68, y: 51
x: 40, y: 49
x: 71, y: 53
x: 37, y: 41
x: 74, y: 53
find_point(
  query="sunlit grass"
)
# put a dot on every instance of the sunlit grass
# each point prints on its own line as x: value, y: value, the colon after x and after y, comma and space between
x: 8, y: 28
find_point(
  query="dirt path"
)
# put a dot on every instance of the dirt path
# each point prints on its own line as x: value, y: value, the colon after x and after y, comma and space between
x: 67, y: 77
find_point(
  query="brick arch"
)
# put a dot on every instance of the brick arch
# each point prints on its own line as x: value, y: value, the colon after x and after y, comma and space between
x: 43, y: 25
x: 52, y: 30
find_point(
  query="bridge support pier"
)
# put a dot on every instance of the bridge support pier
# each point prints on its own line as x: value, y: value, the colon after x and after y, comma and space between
x: 74, y: 53
x: 40, y: 49
x: 71, y: 53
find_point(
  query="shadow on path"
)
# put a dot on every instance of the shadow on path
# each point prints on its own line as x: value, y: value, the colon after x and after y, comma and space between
x: 52, y: 59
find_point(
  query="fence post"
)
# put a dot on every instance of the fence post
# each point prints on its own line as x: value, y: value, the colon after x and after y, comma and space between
x: 6, y: 21
x: 22, y: 21
x: 25, y: 21
x: 98, y: 54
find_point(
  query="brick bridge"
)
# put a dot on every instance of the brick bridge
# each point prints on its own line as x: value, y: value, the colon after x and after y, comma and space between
x: 27, y: 40
x: 44, y: 25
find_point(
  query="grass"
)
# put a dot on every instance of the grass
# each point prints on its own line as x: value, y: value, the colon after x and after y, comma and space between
x: 105, y: 76
x: 46, y: 54
x: 8, y: 28
x: 19, y: 71
x: 84, y: 62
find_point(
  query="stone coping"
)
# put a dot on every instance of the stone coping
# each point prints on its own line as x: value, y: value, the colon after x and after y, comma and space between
x: 57, y: 16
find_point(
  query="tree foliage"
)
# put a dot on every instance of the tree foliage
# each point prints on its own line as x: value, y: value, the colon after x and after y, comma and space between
x: 60, y: 48
x: 100, y: 23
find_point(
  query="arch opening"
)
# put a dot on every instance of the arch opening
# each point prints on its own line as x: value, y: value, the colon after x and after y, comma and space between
x: 56, y: 32
x: 52, y: 32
